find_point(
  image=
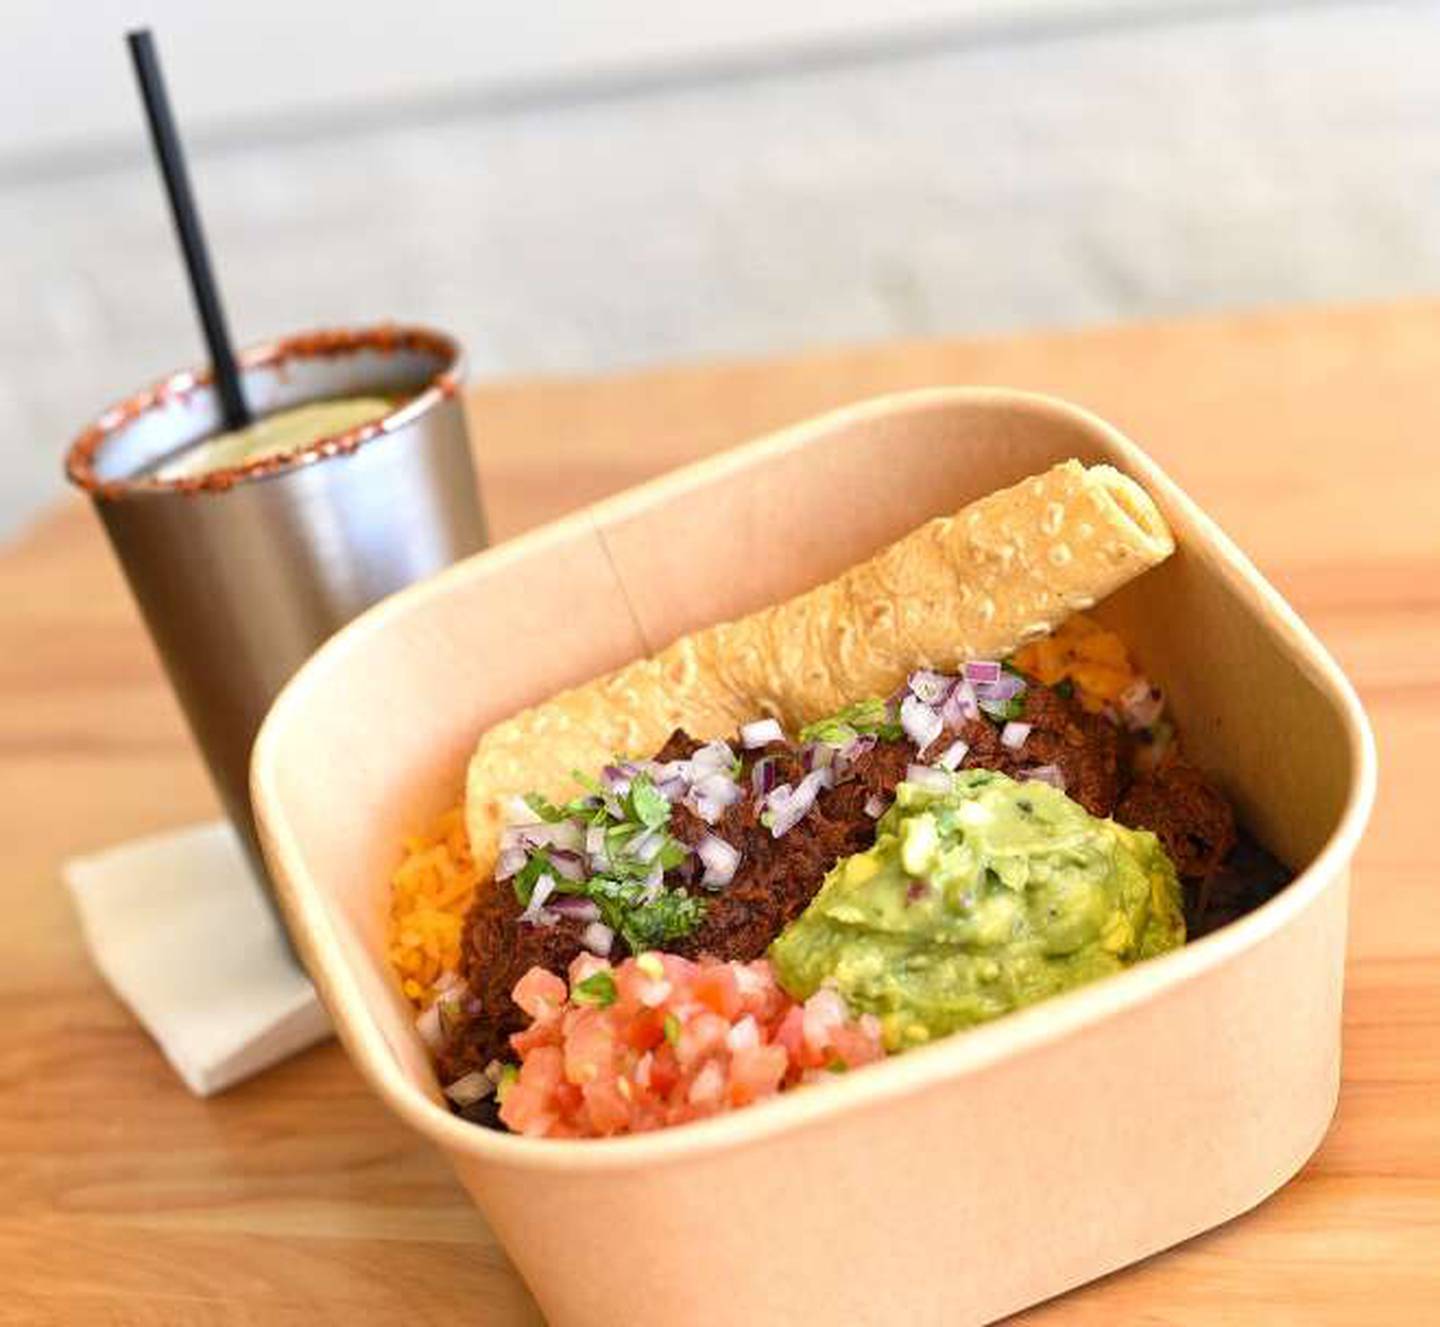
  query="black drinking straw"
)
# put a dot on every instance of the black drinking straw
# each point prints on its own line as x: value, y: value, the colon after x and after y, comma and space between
x: 186, y: 216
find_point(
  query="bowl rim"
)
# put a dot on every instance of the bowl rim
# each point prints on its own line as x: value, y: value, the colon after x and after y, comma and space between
x: 1024, y: 1032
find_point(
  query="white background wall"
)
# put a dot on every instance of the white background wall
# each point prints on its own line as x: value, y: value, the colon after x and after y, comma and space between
x: 585, y: 187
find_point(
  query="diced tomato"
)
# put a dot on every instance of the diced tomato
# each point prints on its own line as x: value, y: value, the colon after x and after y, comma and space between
x: 853, y: 1047
x: 707, y: 1088
x: 539, y: 992
x: 542, y: 1070
x: 547, y: 1033
x: 755, y: 1072
x: 681, y: 1040
x: 589, y: 1045
x: 606, y: 1106
x: 700, y: 1037
x: 527, y: 1107
x: 715, y: 987
x: 585, y: 965
x: 643, y: 1030
x: 664, y: 1071
x: 791, y: 1032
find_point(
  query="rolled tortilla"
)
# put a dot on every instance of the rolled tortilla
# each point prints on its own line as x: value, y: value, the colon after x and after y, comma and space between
x: 1000, y: 572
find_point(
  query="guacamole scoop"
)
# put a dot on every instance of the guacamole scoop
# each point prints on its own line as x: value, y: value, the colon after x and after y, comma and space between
x: 978, y: 900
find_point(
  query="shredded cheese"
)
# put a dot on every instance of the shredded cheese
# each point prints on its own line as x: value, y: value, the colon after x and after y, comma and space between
x: 430, y: 893
x: 1083, y: 651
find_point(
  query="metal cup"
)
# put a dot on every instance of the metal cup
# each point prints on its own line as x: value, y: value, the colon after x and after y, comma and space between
x: 241, y: 574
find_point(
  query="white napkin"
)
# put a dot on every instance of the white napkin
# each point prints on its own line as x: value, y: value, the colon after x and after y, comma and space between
x: 178, y: 927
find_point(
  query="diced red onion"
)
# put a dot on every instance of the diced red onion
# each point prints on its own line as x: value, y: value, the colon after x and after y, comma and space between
x: 927, y: 777
x: 654, y: 879
x: 953, y: 754
x: 712, y: 794
x: 763, y: 776
x: 447, y: 982
x: 646, y: 847
x: 712, y: 756
x: 473, y: 1087
x: 922, y: 724
x: 857, y: 747
x: 748, y: 981
x: 982, y: 670
x: 995, y: 695
x: 778, y: 796
x: 960, y: 705
x: 1141, y: 704
x: 930, y: 688
x: 822, y: 1013
x: 788, y: 806
x: 821, y: 755
x: 510, y: 861
x: 719, y: 787
x: 535, y: 913
x: 744, y: 1035
x: 519, y: 812
x: 570, y: 865
x: 707, y: 808
x: 761, y: 733
x: 575, y: 906
x: 672, y: 790
x: 1051, y: 774
x: 598, y: 939
x: 1013, y: 735
x: 615, y: 779
x: 1005, y: 687
x: 874, y: 806
x: 721, y: 861
x: 428, y: 1026
x: 561, y: 834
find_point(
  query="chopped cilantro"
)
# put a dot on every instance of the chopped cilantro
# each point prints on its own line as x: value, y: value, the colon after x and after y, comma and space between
x: 671, y: 915
x: 864, y: 718
x: 596, y: 806
x: 645, y: 923
x: 592, y: 786
x: 527, y: 876
x: 646, y: 803
x: 837, y: 1066
x: 544, y: 808
x: 643, y: 917
x: 672, y: 1029
x: 597, y: 989
x: 508, y: 1074
x: 1004, y: 711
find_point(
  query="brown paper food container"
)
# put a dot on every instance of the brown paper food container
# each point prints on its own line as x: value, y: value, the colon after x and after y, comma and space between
x: 956, y: 1183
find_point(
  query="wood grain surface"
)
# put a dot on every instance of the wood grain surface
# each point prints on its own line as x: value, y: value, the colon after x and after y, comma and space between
x: 1313, y: 437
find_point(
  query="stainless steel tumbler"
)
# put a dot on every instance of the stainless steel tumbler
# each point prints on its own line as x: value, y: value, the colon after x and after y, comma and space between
x: 240, y: 574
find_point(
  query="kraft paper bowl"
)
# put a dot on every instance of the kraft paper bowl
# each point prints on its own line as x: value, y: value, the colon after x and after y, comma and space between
x: 956, y: 1183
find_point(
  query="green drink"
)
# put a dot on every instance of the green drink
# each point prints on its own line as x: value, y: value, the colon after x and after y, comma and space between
x: 276, y: 435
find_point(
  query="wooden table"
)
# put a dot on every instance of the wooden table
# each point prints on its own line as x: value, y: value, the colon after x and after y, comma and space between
x: 1314, y: 437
